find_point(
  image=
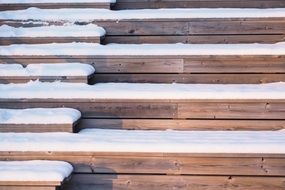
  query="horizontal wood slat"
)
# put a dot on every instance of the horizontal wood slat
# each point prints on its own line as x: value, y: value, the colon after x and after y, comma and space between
x: 189, y: 78
x: 162, y: 124
x: 158, y: 163
x: 17, y: 79
x: 163, y: 182
x: 10, y: 187
x: 36, y: 128
x: 163, y: 109
x: 139, y: 4
x: 19, y: 6
x: 45, y: 40
x: 197, y: 39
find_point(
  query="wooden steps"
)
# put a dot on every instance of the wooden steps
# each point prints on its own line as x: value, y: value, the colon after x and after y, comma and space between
x: 33, y: 175
x: 245, y: 64
x: 47, y: 72
x: 154, y: 4
x: 119, y: 169
x: 184, y: 25
x: 52, y: 34
x: 38, y: 120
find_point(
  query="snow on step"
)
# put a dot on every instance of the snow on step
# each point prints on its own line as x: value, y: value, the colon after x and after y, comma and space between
x: 34, y: 171
x: 54, y: 1
x: 143, y: 49
x: 104, y: 14
x: 39, y: 116
x: 47, y: 69
x: 59, y: 90
x: 107, y: 140
x: 89, y: 30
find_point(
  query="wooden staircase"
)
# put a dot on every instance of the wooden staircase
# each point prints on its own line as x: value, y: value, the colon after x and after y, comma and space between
x: 218, y: 52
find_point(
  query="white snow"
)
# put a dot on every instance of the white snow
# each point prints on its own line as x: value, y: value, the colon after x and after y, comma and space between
x: 143, y: 49
x: 107, y: 140
x: 34, y: 170
x: 47, y: 69
x: 53, y: 31
x: 105, y: 14
x: 54, y: 1
x: 60, y: 90
x: 39, y: 116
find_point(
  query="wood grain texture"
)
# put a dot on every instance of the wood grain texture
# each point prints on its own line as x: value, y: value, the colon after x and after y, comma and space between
x: 162, y: 124
x: 189, y: 78
x: 46, y: 40
x: 23, y: 79
x: 195, y: 39
x: 36, y: 128
x: 3, y: 187
x: 164, y: 182
x: 183, y: 64
x: 153, y: 4
x: 4, y: 7
x: 162, y: 109
x: 162, y: 163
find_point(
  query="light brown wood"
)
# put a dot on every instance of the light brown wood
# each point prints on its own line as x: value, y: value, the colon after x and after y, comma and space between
x: 162, y: 163
x: 162, y: 109
x: 4, y: 7
x: 46, y: 40
x: 163, y: 182
x: 27, y: 188
x: 36, y: 128
x: 25, y: 79
x: 162, y: 124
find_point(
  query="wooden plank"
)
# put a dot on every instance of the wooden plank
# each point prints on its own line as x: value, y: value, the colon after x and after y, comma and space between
x: 36, y: 128
x: 162, y: 109
x: 202, y: 39
x: 162, y: 163
x: 23, y: 79
x: 3, y: 187
x: 189, y: 78
x: 184, y: 27
x: 30, y: 183
x: 162, y: 124
x: 45, y: 40
x: 20, y: 6
x: 237, y: 110
x: 201, y: 64
x: 164, y: 182
x: 153, y: 4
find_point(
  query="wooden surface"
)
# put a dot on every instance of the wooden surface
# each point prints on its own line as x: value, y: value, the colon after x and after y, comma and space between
x: 167, y: 69
x: 167, y: 182
x: 180, y: 124
x: 35, y: 128
x: 162, y: 163
x: 193, y: 39
x: 25, y: 79
x: 45, y: 40
x: 4, y: 187
x: 162, y: 109
x: 139, y: 4
x: 4, y: 7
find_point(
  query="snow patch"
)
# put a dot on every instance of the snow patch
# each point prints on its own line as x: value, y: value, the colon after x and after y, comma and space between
x: 39, y: 116
x: 47, y: 69
x: 105, y: 14
x: 95, y: 49
x: 53, y: 31
x: 60, y: 90
x: 170, y: 141
x: 35, y: 170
